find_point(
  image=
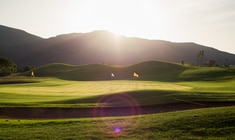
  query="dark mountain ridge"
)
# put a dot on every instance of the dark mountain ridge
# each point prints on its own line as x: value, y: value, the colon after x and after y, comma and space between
x: 99, y: 47
x: 11, y: 36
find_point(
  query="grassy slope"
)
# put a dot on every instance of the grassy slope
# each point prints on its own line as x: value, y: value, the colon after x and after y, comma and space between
x: 213, y: 123
x: 150, y: 70
x: 207, y: 74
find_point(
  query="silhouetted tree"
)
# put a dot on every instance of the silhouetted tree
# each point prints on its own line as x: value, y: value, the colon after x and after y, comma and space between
x: 25, y: 68
x: 7, y: 66
x: 200, y: 56
x: 182, y: 62
x: 226, y: 62
x: 211, y: 63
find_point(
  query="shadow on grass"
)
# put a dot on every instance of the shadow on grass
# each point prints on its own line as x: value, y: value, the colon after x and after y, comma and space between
x: 143, y: 97
x: 17, y: 80
x: 149, y: 98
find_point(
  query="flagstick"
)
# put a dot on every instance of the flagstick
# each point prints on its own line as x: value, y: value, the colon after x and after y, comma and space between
x: 112, y: 78
x: 32, y: 74
x: 135, y: 86
x: 110, y: 84
x: 133, y: 82
x: 135, y: 75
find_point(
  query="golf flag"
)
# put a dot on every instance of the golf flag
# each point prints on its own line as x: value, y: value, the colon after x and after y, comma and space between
x: 112, y: 75
x: 32, y: 74
x: 136, y: 75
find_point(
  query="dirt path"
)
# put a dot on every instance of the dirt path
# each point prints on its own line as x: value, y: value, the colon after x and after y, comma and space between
x: 59, y: 113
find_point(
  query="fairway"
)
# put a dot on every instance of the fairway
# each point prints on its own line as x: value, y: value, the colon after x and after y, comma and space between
x: 54, y: 90
x: 51, y: 92
x: 81, y: 98
x: 177, y: 105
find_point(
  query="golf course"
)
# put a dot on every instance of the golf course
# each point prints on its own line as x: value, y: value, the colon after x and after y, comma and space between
x: 148, y: 100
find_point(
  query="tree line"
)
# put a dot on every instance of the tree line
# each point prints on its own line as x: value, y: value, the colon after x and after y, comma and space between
x: 210, y: 63
x: 7, y: 67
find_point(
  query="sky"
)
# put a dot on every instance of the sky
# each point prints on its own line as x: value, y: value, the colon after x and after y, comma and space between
x: 206, y: 22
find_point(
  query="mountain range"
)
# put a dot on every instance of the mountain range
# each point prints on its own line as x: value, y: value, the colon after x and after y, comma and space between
x: 99, y: 47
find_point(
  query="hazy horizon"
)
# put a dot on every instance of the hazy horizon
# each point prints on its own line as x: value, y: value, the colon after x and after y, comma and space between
x: 206, y: 22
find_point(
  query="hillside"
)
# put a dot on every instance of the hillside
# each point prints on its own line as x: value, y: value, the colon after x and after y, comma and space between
x: 149, y: 70
x: 12, y: 37
x: 100, y: 47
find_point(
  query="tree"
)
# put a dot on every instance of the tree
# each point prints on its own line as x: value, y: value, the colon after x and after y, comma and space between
x: 211, y: 63
x: 7, y: 66
x: 200, y: 56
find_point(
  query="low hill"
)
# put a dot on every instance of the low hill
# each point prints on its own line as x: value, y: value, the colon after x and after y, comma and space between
x: 100, y: 47
x: 149, y: 70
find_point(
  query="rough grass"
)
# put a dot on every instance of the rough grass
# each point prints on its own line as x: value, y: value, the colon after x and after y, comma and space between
x: 213, y: 123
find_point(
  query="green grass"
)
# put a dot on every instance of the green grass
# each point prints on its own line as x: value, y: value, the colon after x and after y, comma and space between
x: 148, y: 71
x: 213, y: 123
x: 151, y: 70
x: 68, y: 86
x: 51, y: 92
x: 16, y: 80
x: 79, y: 93
x: 207, y: 74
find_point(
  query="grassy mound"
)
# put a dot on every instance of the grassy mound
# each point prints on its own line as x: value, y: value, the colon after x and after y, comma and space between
x: 71, y: 72
x: 149, y: 70
x: 207, y: 73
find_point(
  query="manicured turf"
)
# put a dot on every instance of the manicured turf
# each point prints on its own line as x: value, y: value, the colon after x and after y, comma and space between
x: 151, y: 70
x: 55, y: 92
x: 213, y: 123
x: 49, y: 91
x: 148, y: 71
x: 52, y: 92
x: 159, y: 83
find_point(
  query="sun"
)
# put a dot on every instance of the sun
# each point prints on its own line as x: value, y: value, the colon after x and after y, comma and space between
x: 123, y: 17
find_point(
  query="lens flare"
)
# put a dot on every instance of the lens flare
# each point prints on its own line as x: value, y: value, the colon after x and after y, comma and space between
x: 117, y: 105
x: 117, y: 130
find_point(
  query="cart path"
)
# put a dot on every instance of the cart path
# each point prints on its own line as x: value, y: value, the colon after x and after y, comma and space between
x: 62, y: 113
